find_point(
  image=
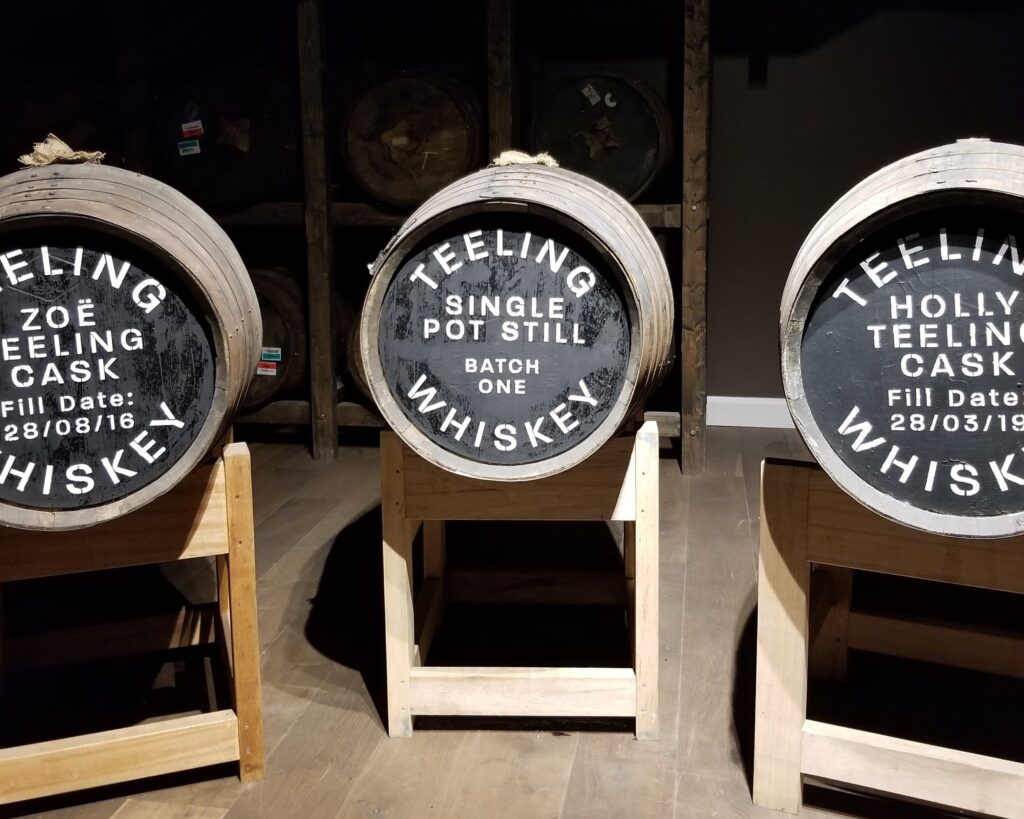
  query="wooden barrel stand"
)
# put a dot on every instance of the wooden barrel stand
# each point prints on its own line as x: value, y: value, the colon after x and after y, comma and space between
x: 807, y: 519
x: 207, y: 514
x: 619, y: 482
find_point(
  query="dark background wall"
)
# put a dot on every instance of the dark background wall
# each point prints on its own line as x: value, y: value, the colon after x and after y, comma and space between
x: 808, y: 99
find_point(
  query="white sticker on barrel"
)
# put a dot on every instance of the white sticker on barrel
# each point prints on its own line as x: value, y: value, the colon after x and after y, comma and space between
x: 192, y: 129
x: 271, y: 354
x: 591, y: 94
x: 188, y: 147
x: 266, y: 368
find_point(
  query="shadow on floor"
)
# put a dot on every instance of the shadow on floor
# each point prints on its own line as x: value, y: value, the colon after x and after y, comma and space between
x: 58, y: 700
x: 346, y: 621
x: 346, y: 616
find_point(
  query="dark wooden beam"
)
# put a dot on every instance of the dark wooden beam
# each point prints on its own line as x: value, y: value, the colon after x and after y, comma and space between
x: 696, y: 94
x: 499, y: 77
x: 322, y: 390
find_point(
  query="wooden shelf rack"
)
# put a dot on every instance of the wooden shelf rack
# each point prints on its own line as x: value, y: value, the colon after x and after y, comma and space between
x: 619, y: 482
x: 806, y: 519
x: 319, y: 214
x: 207, y: 514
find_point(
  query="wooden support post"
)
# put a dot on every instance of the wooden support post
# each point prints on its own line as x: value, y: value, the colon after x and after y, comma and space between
x: 2, y: 666
x: 923, y: 773
x: 619, y: 482
x: 782, y: 626
x: 245, y: 644
x: 696, y: 96
x: 93, y: 760
x: 629, y: 564
x: 500, y: 115
x: 399, y: 622
x: 322, y: 373
x: 644, y: 575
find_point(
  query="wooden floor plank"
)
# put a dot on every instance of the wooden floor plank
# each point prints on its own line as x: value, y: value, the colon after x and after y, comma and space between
x: 411, y: 776
x: 720, y: 585
x: 512, y: 774
x: 314, y: 764
x: 613, y: 775
x: 722, y: 452
x: 276, y: 536
x: 148, y: 809
x: 675, y: 494
x: 727, y: 797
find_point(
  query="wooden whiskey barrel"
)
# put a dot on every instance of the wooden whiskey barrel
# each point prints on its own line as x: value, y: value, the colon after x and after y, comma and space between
x: 515, y: 322
x: 284, y: 356
x: 410, y: 136
x: 902, y: 331
x: 230, y: 140
x: 129, y: 331
x: 354, y: 362
x: 608, y: 126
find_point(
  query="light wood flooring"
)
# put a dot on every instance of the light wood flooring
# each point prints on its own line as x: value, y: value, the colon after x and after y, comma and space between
x: 320, y: 629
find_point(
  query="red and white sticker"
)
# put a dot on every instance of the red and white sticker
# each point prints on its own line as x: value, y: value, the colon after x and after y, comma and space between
x: 266, y: 368
x: 192, y: 129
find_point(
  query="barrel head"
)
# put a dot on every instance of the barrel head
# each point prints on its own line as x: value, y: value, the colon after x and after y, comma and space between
x: 518, y: 319
x: 106, y: 369
x: 904, y: 362
x: 504, y: 340
x: 612, y: 128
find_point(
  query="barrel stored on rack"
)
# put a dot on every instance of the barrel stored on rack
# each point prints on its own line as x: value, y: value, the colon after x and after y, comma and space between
x: 902, y: 331
x: 516, y: 321
x: 229, y: 139
x: 409, y: 136
x: 129, y: 331
x: 609, y: 126
x: 284, y: 358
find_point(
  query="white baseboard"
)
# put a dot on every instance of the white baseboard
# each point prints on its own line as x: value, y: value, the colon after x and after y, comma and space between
x: 743, y: 411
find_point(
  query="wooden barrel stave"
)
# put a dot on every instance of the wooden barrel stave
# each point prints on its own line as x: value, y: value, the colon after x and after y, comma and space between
x: 167, y: 227
x: 197, y: 235
x: 607, y: 225
x: 966, y: 164
x: 354, y: 360
x: 138, y: 199
x: 968, y: 174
